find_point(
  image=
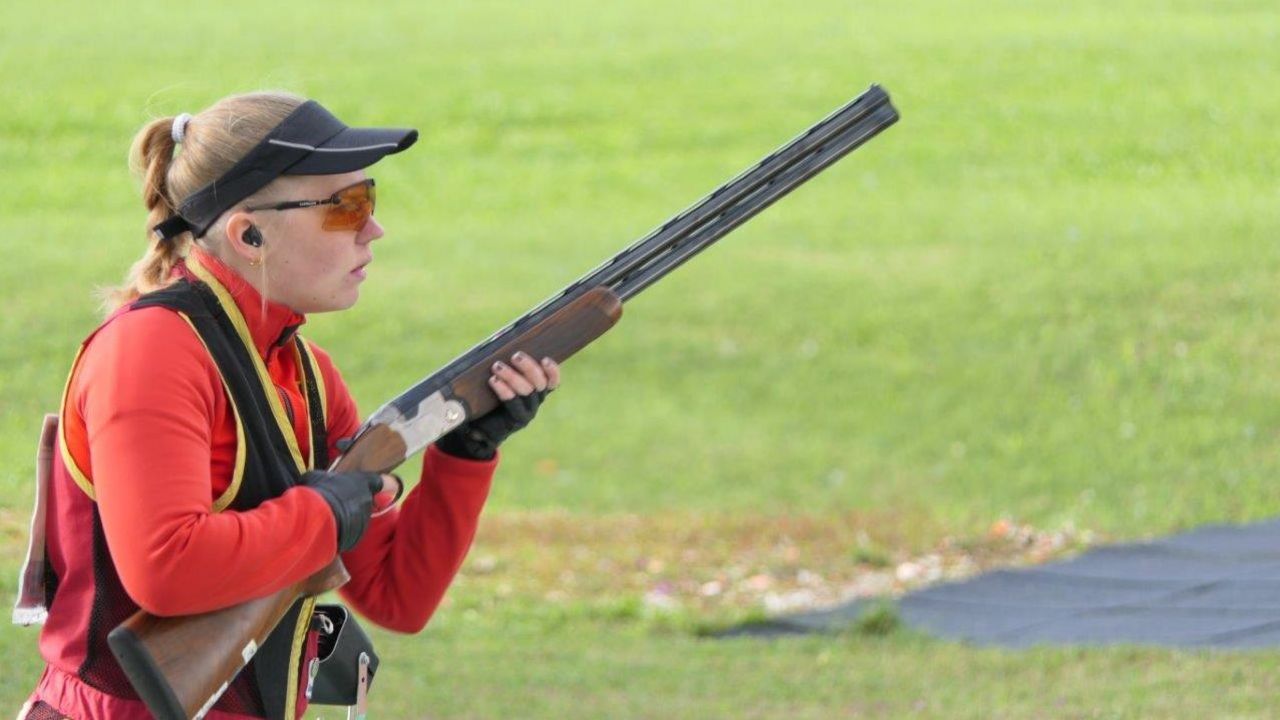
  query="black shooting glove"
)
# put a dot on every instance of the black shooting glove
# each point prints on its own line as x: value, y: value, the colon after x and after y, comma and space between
x: 479, y: 438
x: 350, y: 497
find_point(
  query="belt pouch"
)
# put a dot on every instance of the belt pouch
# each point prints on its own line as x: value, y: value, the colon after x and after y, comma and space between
x: 342, y: 641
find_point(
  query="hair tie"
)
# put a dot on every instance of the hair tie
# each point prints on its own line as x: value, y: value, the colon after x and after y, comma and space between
x: 179, y: 130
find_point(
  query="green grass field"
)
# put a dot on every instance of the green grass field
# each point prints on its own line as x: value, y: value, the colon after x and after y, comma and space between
x: 1047, y: 295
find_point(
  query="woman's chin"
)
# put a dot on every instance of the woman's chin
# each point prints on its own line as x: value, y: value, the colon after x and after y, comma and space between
x: 342, y: 300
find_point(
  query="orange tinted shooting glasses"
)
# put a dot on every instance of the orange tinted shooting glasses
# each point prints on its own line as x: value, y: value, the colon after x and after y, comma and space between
x: 349, y: 209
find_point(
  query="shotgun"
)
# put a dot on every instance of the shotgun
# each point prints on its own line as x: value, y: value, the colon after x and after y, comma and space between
x: 156, y: 653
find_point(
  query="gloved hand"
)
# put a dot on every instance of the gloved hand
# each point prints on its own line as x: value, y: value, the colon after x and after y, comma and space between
x: 350, y: 497
x: 521, y: 386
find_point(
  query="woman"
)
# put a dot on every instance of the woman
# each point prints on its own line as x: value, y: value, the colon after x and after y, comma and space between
x: 194, y: 418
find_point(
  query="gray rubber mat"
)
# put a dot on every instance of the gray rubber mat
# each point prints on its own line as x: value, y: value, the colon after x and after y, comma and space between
x: 1216, y: 586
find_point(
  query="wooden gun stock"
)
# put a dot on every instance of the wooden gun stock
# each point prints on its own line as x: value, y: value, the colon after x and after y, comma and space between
x: 180, y: 666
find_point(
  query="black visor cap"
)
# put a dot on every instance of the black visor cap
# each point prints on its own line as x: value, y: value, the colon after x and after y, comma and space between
x: 310, y: 141
x: 352, y: 149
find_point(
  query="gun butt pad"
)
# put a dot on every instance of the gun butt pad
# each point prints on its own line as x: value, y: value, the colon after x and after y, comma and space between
x: 145, y: 675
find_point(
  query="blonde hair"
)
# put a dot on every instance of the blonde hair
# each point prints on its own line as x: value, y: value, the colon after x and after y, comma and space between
x: 213, y: 142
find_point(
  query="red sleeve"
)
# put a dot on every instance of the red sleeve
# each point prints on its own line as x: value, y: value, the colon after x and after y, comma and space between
x: 408, y: 557
x: 148, y: 393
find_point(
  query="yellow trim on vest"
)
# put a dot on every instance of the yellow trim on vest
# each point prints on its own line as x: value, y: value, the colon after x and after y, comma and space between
x: 237, y: 475
x: 307, y: 355
x: 315, y: 370
x: 302, y: 387
x: 242, y: 329
x: 80, y: 477
x: 299, y: 637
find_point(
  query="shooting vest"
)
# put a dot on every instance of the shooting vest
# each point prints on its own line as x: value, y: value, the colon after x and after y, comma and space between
x: 268, y: 462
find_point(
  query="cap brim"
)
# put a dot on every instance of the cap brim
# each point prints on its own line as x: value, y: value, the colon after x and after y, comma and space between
x: 353, y: 149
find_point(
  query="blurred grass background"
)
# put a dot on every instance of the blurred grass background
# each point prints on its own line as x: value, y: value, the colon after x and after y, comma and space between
x: 1046, y: 294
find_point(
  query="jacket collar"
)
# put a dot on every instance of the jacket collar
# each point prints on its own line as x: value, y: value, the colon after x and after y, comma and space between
x: 271, y: 324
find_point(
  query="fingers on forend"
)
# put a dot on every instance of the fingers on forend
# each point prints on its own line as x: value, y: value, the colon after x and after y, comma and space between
x: 553, y: 373
x: 533, y: 372
x: 501, y: 388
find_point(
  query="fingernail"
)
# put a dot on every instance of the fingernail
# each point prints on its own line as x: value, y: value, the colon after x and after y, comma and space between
x: 493, y: 379
x: 497, y: 366
x: 546, y: 361
x: 518, y: 356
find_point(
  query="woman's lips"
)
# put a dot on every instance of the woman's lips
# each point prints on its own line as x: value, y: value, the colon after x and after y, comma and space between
x: 359, y: 271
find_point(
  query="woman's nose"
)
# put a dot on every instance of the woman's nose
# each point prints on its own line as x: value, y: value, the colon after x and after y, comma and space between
x: 371, y: 231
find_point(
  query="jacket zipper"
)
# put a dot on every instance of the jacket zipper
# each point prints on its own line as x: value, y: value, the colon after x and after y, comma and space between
x: 284, y: 400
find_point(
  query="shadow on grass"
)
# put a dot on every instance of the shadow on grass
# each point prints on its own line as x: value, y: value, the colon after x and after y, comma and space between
x: 878, y: 618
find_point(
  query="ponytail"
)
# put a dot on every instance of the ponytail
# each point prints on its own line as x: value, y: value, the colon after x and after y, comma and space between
x: 150, y: 158
x: 212, y: 142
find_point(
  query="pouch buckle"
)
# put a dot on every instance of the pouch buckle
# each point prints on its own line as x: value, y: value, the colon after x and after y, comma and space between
x: 360, y: 710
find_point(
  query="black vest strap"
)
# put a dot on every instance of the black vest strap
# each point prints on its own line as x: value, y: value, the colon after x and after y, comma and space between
x: 268, y: 470
x: 315, y: 406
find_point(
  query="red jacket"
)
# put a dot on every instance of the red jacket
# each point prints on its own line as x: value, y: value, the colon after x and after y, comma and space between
x: 149, y: 434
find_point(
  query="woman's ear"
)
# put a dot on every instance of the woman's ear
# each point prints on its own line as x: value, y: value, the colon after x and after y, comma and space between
x: 243, y: 238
